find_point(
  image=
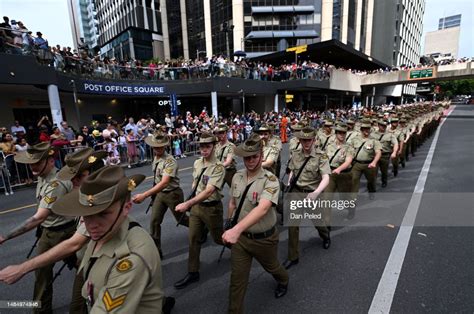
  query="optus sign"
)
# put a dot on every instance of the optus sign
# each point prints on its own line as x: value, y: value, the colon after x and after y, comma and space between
x: 124, y: 89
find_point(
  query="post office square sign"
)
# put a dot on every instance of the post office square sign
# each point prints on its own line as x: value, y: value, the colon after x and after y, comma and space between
x: 106, y: 88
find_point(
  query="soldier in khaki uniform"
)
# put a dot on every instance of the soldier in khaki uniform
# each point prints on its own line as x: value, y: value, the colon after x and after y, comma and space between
x: 253, y: 233
x: 275, y: 142
x: 325, y: 134
x: 121, y: 265
x: 52, y: 186
x: 351, y: 131
x: 404, y: 152
x: 206, y: 205
x: 166, y: 190
x: 225, y: 152
x: 367, y: 154
x: 389, y: 149
x: 271, y: 152
x: 312, y: 181
x: 294, y: 141
x: 399, y: 134
x: 340, y: 155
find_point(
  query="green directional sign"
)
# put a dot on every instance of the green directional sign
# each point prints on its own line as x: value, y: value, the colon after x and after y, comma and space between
x: 421, y: 73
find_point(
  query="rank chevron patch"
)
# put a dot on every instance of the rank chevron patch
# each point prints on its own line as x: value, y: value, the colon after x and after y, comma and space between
x: 111, y: 303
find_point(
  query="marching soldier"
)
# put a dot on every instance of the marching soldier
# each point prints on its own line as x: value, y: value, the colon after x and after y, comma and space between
x: 325, y: 135
x: 400, y: 136
x: 367, y: 152
x: 275, y: 142
x: 351, y: 131
x: 52, y: 185
x: 271, y: 153
x: 253, y: 195
x: 166, y: 192
x: 310, y: 176
x: 225, y: 152
x: 340, y: 155
x: 294, y: 141
x: 121, y: 265
x: 206, y: 205
x: 389, y: 149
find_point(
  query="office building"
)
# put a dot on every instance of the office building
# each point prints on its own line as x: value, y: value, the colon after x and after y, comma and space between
x: 130, y: 28
x: 449, y: 21
x: 84, y: 23
x: 445, y: 40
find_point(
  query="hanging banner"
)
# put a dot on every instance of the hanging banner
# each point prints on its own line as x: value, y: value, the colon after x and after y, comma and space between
x: 106, y: 88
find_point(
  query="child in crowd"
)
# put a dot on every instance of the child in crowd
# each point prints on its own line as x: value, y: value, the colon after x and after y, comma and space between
x: 131, y: 148
x: 177, y: 148
x: 113, y: 157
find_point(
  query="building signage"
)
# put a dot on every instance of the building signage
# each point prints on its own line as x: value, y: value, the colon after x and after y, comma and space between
x: 421, y: 73
x: 122, y: 89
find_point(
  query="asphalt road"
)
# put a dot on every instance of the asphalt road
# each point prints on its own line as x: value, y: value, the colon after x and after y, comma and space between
x: 436, y: 262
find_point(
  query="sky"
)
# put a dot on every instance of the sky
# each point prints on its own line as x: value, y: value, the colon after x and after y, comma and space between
x: 51, y: 17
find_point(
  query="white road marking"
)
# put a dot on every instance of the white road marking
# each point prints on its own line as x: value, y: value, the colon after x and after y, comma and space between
x: 383, y: 298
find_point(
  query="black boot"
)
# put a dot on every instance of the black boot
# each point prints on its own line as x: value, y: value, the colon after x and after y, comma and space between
x: 281, y: 290
x: 188, y: 279
x: 168, y: 304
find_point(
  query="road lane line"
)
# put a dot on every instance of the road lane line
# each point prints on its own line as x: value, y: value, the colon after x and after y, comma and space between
x: 33, y: 205
x: 383, y: 298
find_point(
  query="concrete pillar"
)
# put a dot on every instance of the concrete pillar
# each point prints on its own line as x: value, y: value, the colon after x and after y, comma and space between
x: 344, y: 21
x: 55, y: 104
x: 184, y: 27
x: 215, y: 113
x: 326, y: 20
x: 358, y: 25
x: 132, y: 48
x: 155, y: 24
x: 373, y: 96
x: 164, y: 27
x: 238, y: 22
x: 275, y: 103
x: 207, y: 27
x: 368, y: 28
x: 145, y: 17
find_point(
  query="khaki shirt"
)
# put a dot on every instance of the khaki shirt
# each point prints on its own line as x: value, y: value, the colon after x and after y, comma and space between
x: 222, y: 151
x: 350, y: 135
x: 213, y: 175
x: 368, y: 150
x: 271, y: 152
x: 323, y: 138
x: 313, y: 171
x: 387, y: 140
x: 275, y: 142
x: 265, y: 186
x: 126, y: 274
x: 337, y: 154
x: 398, y: 133
x: 48, y: 190
x: 294, y: 144
x: 166, y: 166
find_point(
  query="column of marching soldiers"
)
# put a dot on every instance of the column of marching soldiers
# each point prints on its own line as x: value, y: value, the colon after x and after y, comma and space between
x: 82, y: 213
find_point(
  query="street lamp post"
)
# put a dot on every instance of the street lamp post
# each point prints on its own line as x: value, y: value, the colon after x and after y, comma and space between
x: 243, y: 100
x: 72, y: 83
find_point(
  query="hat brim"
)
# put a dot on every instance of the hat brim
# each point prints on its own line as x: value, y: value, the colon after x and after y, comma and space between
x: 24, y: 158
x: 238, y: 151
x: 67, y: 173
x: 149, y: 141
x: 69, y: 204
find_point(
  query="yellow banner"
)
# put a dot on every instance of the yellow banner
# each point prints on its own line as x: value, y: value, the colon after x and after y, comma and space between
x: 298, y: 49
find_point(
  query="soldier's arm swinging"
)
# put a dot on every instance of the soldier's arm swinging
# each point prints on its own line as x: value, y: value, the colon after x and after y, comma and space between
x: 344, y: 166
x: 31, y: 223
x: 321, y: 186
x: 197, y: 199
x: 154, y: 190
x: 12, y: 274
x: 374, y: 162
x: 232, y: 236
x: 228, y: 160
x: 231, y: 209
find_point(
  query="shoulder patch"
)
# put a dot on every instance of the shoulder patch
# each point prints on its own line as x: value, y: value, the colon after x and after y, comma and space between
x: 219, y: 168
x: 54, y: 184
x: 112, y: 303
x: 50, y: 199
x: 272, y: 178
x: 271, y: 190
x: 124, y: 265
